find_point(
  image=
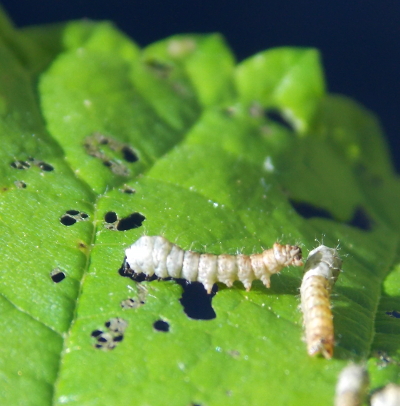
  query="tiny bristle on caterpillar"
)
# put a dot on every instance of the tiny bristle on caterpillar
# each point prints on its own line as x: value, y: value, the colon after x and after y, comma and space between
x: 321, y: 271
x: 156, y: 255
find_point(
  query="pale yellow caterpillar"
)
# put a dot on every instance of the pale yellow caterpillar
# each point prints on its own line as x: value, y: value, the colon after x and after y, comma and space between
x: 352, y: 386
x: 388, y: 396
x: 156, y: 255
x: 321, y: 271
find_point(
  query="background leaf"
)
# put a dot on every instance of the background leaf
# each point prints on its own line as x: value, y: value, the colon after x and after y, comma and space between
x: 116, y: 142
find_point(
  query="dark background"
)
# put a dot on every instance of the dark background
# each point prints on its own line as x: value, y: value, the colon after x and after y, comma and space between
x: 358, y: 39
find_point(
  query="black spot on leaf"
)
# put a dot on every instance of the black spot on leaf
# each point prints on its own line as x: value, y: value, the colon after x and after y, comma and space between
x: 161, y: 325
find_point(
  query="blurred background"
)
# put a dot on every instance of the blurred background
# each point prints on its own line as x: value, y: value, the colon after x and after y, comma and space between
x: 358, y: 39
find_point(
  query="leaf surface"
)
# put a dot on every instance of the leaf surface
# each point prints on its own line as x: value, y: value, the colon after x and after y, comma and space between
x: 116, y: 142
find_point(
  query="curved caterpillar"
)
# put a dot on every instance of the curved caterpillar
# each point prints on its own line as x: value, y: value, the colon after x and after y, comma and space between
x: 321, y: 272
x: 156, y: 255
x: 352, y: 386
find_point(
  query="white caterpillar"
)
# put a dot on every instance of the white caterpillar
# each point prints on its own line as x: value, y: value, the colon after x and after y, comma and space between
x: 156, y: 255
x: 321, y: 271
x: 352, y: 386
x: 388, y: 396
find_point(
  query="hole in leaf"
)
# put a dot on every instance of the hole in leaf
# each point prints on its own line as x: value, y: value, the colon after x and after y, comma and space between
x: 20, y: 184
x: 134, y: 220
x: 361, y: 220
x: 96, y: 333
x: 116, y: 325
x: 44, y: 166
x: 128, y: 190
x: 20, y: 165
x: 110, y: 217
x: 308, y: 211
x: 109, y: 340
x: 131, y: 303
x: 72, y: 212
x: 197, y: 304
x: 276, y: 116
x: 67, y: 220
x: 72, y: 216
x: 161, y: 325
x: 57, y: 275
x: 394, y: 313
x: 129, y: 154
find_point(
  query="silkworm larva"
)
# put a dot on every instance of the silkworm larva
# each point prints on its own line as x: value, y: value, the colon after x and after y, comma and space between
x: 321, y: 271
x: 388, y: 396
x: 156, y: 255
x: 352, y: 386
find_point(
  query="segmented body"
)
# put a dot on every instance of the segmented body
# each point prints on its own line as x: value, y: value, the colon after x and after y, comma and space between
x: 352, y: 386
x: 321, y: 271
x: 388, y: 396
x: 156, y: 255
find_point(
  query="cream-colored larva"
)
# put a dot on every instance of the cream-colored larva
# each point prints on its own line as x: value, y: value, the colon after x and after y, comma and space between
x: 388, y: 396
x: 320, y: 273
x: 156, y: 255
x: 352, y: 386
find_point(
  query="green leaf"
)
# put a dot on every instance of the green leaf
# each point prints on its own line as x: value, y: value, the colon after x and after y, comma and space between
x: 116, y: 142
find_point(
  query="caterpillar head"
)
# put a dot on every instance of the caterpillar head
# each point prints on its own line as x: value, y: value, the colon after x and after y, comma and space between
x: 287, y: 255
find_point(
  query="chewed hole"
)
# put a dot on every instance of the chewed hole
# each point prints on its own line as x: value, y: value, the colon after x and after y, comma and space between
x: 394, y: 313
x: 161, y: 325
x: 67, y: 220
x: 308, y: 211
x: 276, y: 116
x: 360, y: 217
x: 72, y: 216
x: 129, y: 154
x: 134, y: 220
x: 45, y: 167
x: 20, y: 165
x: 57, y: 275
x: 110, y: 217
x: 20, y: 184
x: 109, y: 340
x: 361, y: 220
x: 197, y: 304
x: 128, y: 190
x: 72, y: 212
